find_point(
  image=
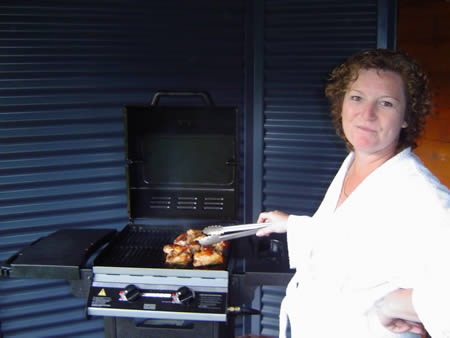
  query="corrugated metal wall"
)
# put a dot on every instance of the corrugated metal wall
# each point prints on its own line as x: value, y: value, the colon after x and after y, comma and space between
x: 268, y: 299
x: 304, y: 40
x: 66, y: 69
x: 68, y: 66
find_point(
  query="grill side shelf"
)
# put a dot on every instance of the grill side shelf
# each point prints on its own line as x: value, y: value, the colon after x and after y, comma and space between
x: 60, y: 255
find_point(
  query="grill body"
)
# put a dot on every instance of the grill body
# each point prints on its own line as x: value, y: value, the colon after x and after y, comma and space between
x: 135, y: 259
x: 181, y: 163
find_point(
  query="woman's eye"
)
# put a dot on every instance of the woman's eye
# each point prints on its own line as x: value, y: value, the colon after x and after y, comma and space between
x: 355, y: 98
x: 386, y: 103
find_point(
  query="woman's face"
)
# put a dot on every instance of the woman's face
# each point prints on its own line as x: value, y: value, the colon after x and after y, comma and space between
x: 373, y: 112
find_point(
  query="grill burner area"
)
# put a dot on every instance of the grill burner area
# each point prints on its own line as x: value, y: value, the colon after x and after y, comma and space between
x: 138, y: 246
x: 141, y: 246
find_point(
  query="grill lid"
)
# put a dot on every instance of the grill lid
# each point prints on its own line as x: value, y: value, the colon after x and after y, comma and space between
x: 182, y: 161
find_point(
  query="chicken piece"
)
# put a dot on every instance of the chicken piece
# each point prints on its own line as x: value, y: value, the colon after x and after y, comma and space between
x: 207, y: 256
x: 197, y: 238
x: 190, y: 239
x: 177, y: 254
x: 181, y: 240
x: 183, y: 258
x: 221, y: 247
x: 195, y: 247
x: 174, y: 249
x: 192, y: 234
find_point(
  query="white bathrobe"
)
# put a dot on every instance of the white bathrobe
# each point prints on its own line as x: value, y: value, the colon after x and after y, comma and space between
x: 392, y: 232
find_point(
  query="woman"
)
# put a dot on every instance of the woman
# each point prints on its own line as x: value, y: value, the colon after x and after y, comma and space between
x: 374, y: 260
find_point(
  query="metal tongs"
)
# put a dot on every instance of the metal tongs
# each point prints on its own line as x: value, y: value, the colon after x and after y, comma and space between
x: 215, y: 233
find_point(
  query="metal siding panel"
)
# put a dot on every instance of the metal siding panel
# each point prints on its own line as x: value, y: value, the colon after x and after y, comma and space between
x: 67, y: 68
x: 271, y: 297
x: 255, y: 116
x: 304, y: 40
x: 29, y: 305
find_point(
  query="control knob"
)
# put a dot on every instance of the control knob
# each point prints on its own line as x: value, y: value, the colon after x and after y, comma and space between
x: 132, y: 293
x: 183, y: 295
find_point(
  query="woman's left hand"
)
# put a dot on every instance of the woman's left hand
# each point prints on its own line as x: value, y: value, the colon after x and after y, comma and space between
x: 396, y: 312
x: 398, y: 325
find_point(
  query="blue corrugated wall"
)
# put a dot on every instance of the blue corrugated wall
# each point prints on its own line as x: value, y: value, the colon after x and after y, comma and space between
x: 303, y: 41
x: 68, y: 66
x: 66, y: 69
x: 297, y: 45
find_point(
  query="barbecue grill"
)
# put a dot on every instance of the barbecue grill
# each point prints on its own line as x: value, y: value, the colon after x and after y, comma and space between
x: 131, y: 279
x: 182, y: 171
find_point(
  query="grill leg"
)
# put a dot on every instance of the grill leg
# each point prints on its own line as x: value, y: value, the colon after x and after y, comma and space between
x: 110, y: 327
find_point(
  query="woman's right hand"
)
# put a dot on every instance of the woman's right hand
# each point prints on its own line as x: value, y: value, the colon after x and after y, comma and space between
x: 278, y: 222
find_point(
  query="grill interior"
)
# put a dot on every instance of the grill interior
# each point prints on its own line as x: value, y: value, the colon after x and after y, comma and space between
x: 138, y: 246
x: 141, y: 246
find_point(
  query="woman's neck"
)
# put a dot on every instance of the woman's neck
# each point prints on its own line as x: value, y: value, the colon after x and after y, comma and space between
x: 363, y: 164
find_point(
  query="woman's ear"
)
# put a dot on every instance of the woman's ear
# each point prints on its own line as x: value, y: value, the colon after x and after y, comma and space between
x: 404, y: 124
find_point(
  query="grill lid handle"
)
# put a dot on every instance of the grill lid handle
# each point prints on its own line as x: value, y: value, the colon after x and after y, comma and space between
x: 204, y: 95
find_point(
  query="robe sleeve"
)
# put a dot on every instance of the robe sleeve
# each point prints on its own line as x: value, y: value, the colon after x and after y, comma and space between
x: 302, y: 230
x: 431, y: 297
x: 299, y: 239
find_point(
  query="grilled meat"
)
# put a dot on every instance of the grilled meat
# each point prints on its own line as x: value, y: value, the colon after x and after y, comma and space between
x: 207, y: 256
x: 186, y: 248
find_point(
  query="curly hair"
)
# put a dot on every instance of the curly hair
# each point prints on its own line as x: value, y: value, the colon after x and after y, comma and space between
x: 417, y: 89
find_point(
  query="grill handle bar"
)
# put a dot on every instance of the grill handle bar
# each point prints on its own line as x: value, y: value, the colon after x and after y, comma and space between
x: 204, y: 95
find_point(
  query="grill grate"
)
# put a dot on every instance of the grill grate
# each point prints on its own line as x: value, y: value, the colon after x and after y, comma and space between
x: 138, y: 246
